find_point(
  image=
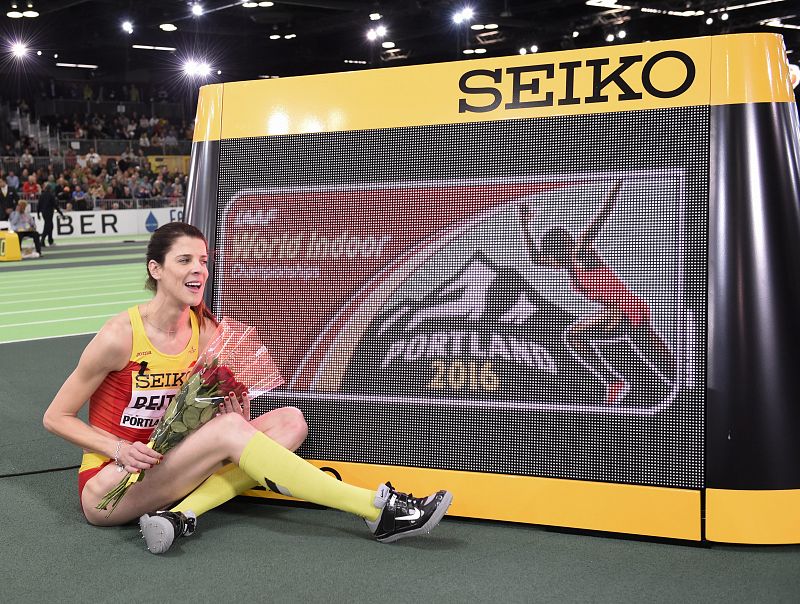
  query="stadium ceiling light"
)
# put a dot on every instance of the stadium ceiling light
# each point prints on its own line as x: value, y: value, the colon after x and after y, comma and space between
x: 19, y: 49
x: 575, y: 34
x: 477, y: 26
x: 275, y: 37
x: 147, y: 47
x: 709, y: 21
x: 607, y: 4
x: 523, y: 51
x: 491, y: 26
x: 250, y: 4
x: 724, y: 16
x: 167, y: 27
x: 727, y: 9
x: 778, y: 23
x: 55, y: 56
x: 534, y: 48
x: 467, y: 51
x: 380, y: 30
x: 266, y: 4
x: 127, y: 27
x: 480, y: 51
x: 38, y: 53
x: 289, y: 36
x: 194, y: 68
x: 375, y: 16
x: 621, y: 34
x: 387, y: 44
x: 14, y: 14
x: 464, y: 15
x: 372, y: 35
x: 30, y: 13
x: 78, y: 65
x: 197, y: 9
x: 610, y: 38
x: 219, y: 72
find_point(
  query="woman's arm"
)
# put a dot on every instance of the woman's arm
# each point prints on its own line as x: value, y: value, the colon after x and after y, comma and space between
x: 108, y: 351
x: 591, y: 232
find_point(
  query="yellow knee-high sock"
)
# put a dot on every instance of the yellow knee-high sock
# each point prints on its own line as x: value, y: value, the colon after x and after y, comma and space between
x: 218, y: 488
x: 271, y: 465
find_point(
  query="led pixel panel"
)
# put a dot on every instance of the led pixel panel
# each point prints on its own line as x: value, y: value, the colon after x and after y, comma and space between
x: 520, y: 296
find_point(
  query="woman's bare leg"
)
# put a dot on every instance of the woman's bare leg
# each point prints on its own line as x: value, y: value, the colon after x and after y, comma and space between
x: 192, y: 461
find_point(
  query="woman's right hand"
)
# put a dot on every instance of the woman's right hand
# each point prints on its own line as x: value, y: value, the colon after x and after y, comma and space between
x: 137, y: 456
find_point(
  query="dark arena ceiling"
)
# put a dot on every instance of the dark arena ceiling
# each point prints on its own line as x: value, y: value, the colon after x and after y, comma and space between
x: 298, y: 37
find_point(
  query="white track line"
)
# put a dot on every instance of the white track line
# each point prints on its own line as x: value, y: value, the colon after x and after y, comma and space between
x: 107, y: 315
x: 35, y: 310
x: 66, y: 335
x: 23, y: 297
x: 46, y: 287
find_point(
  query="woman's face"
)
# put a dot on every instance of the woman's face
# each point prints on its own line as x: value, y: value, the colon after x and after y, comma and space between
x: 184, y: 273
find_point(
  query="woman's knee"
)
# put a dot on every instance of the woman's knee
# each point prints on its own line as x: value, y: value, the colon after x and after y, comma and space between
x: 296, y: 422
x: 229, y: 427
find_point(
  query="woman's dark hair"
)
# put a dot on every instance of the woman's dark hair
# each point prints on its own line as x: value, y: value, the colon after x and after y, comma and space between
x: 161, y: 241
x: 558, y: 243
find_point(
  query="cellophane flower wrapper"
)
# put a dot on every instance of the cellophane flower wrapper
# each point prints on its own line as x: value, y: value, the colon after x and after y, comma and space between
x: 234, y: 360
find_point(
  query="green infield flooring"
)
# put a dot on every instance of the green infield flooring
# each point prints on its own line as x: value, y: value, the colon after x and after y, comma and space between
x: 263, y: 552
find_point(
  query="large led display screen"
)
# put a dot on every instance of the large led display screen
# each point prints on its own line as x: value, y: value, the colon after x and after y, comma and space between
x: 520, y: 297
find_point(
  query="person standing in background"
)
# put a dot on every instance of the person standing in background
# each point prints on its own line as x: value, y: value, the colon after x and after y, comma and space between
x: 48, y: 204
x: 8, y: 200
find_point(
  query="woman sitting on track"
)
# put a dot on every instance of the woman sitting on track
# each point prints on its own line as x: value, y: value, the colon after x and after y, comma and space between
x: 225, y: 457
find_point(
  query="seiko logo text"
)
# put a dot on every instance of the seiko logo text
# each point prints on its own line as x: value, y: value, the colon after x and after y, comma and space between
x: 529, y: 86
x: 158, y: 380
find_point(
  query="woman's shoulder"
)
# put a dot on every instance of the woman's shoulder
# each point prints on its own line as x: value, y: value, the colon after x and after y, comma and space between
x: 113, y: 343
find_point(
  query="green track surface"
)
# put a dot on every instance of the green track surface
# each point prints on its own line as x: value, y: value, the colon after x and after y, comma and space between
x: 246, y: 551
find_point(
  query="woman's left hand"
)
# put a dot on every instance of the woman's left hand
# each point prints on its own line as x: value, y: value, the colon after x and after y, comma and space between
x: 232, y: 404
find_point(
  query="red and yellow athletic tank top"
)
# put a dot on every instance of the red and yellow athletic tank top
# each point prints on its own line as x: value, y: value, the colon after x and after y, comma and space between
x: 603, y: 286
x: 129, y: 402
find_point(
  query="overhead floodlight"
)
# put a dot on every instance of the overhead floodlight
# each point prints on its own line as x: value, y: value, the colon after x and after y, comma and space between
x: 32, y: 14
x: 387, y: 44
x: 575, y: 34
x: 465, y: 14
x: 19, y: 49
x: 491, y: 26
x: 724, y: 16
x: 197, y: 9
x: 127, y: 27
x: 38, y: 53
x: 14, y: 14
x: 219, y: 72
x: 372, y: 35
x: 266, y: 4
x: 534, y: 48
x: 621, y: 34
x: 167, y: 27
x: 480, y: 51
x: 250, y: 4
x: 380, y: 30
x: 523, y: 51
x: 375, y: 16
x: 275, y: 37
x: 610, y: 38
x: 709, y: 21
x: 477, y: 26
x: 467, y: 51
x: 290, y: 36
x: 204, y: 69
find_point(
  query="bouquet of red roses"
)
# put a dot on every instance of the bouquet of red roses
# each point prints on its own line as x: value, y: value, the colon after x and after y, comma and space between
x: 235, y: 361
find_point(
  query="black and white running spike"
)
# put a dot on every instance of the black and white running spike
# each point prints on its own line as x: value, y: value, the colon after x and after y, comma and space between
x: 160, y: 529
x: 405, y: 515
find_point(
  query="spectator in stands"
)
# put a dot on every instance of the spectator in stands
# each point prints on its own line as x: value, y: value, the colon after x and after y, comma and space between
x: 22, y: 223
x: 26, y: 159
x: 93, y: 160
x: 144, y: 142
x: 8, y: 199
x: 171, y: 140
x: 48, y: 204
x: 97, y: 191
x: 31, y: 188
x: 13, y: 180
x: 80, y: 200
